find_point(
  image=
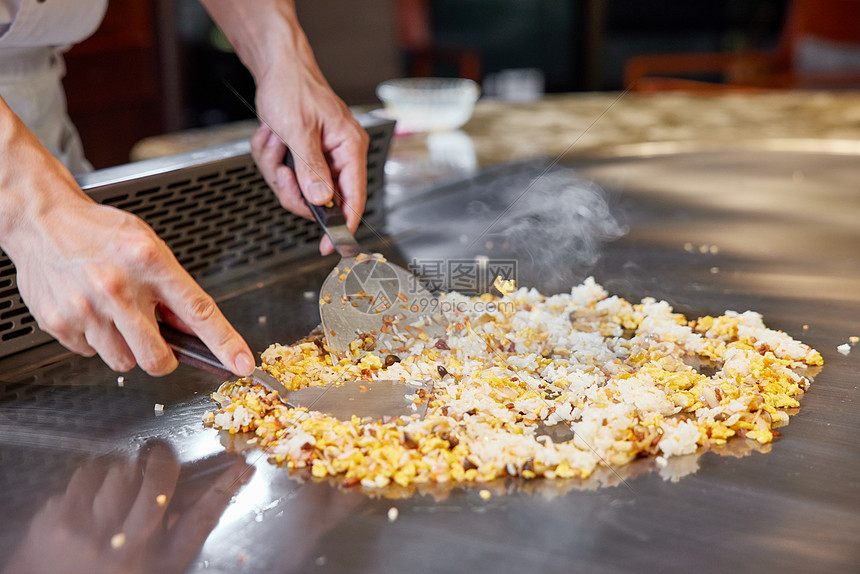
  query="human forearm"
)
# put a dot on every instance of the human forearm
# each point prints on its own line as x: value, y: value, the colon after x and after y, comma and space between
x: 297, y: 108
x: 94, y: 276
x: 33, y: 185
x: 265, y: 33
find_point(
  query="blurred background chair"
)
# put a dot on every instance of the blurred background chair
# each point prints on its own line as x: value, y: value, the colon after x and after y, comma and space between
x: 819, y: 47
x: 423, y: 53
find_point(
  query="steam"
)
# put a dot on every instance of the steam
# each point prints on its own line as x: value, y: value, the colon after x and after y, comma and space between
x: 557, y: 226
x: 544, y: 228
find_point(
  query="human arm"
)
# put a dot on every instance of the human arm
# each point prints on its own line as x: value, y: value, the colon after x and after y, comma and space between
x: 296, y: 107
x: 92, y: 275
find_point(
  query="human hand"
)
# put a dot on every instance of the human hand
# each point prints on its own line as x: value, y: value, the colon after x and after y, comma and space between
x: 329, y: 147
x: 98, y: 292
x: 297, y: 108
x: 93, y: 276
x: 128, y: 516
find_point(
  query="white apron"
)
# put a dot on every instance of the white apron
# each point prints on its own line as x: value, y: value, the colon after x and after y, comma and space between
x: 33, y: 35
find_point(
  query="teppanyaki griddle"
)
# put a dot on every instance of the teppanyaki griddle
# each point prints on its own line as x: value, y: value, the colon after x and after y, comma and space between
x: 784, y: 224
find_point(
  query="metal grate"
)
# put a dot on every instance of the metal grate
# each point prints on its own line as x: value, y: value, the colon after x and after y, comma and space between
x: 214, y: 210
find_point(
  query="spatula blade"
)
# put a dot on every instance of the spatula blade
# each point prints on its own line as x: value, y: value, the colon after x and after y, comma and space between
x: 369, y: 296
x: 373, y: 399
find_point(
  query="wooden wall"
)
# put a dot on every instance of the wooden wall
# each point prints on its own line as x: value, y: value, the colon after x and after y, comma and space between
x: 114, y: 86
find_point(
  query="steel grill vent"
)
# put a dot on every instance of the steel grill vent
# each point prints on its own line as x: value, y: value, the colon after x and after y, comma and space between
x: 214, y: 210
x: 218, y: 221
x: 15, y: 320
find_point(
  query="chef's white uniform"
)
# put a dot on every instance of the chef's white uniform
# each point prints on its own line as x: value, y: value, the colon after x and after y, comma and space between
x: 33, y: 35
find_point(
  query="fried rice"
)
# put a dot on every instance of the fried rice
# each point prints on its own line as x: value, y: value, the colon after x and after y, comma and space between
x: 630, y: 380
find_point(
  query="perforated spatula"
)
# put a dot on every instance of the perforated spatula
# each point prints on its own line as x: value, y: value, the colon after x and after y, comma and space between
x: 366, y: 302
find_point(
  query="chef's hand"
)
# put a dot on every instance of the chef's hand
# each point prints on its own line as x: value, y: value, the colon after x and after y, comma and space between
x: 297, y: 108
x: 93, y: 275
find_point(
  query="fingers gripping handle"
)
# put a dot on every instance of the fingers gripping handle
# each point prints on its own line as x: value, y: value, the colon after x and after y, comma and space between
x: 192, y: 351
x: 331, y: 219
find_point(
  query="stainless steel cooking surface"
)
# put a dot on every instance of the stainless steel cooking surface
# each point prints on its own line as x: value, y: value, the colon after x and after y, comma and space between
x: 756, y: 227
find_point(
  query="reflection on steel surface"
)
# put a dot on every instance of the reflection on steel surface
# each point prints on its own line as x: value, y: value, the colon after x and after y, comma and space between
x: 121, y: 515
x: 670, y: 469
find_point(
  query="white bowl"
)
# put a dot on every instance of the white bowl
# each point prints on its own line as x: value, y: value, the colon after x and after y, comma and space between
x: 429, y: 104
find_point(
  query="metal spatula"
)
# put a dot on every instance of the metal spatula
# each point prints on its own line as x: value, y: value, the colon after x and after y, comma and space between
x: 374, y: 399
x: 366, y: 302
